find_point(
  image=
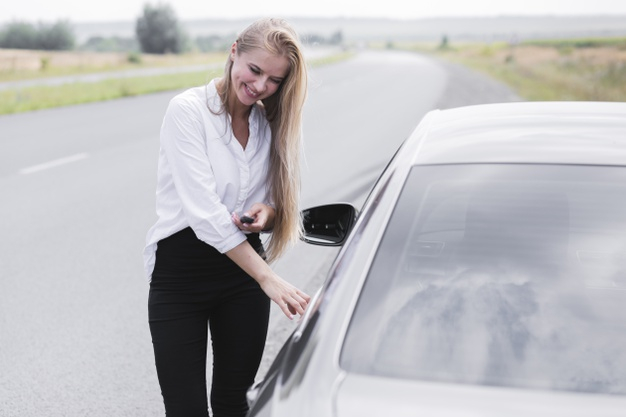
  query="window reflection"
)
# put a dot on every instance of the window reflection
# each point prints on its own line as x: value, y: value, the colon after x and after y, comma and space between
x: 507, y: 275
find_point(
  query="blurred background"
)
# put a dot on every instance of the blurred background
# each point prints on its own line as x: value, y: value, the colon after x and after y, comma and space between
x: 544, y: 50
x: 83, y: 89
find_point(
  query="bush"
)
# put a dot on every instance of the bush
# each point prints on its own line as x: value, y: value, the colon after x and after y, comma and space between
x: 19, y: 35
x: 22, y: 35
x: 134, y: 58
x: 158, y: 30
x: 56, y: 37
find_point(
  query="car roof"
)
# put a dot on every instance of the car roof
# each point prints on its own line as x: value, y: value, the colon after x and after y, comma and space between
x: 523, y: 132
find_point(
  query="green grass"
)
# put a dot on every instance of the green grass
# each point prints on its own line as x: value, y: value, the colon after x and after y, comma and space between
x: 579, y: 43
x: 578, y: 81
x: 331, y: 59
x: 43, y: 97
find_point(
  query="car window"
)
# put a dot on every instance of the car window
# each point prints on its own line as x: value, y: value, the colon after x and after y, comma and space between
x: 507, y: 275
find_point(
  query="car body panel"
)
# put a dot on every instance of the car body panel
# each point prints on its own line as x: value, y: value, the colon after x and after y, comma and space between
x: 416, y: 398
x: 524, y: 132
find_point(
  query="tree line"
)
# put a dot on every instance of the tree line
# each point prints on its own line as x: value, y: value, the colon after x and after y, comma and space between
x: 157, y: 31
x: 22, y: 35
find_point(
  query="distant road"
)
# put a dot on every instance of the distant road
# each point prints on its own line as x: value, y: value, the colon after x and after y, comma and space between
x: 77, y: 186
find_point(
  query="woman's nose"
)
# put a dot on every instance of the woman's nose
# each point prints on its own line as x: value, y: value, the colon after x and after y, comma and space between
x: 260, y: 85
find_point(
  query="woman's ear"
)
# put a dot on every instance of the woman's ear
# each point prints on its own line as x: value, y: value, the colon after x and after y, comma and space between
x: 233, y: 51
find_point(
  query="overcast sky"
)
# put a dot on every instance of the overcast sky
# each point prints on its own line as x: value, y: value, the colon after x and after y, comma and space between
x: 107, y: 10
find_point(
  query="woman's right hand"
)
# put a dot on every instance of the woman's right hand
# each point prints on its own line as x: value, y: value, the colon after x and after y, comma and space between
x: 289, y: 298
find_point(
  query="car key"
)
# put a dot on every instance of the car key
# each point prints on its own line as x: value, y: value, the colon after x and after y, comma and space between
x: 247, y: 219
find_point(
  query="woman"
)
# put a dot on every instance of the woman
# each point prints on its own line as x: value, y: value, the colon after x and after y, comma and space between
x: 229, y: 148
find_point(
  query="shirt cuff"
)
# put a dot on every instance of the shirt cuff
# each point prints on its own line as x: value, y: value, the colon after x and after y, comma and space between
x: 230, y: 242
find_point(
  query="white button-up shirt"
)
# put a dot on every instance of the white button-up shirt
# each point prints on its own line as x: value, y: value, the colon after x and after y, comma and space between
x: 204, y: 174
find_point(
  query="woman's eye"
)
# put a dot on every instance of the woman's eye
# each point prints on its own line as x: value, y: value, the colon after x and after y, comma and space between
x: 255, y: 70
x: 275, y: 81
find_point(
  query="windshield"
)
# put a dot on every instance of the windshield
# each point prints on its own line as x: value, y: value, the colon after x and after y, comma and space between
x: 507, y: 275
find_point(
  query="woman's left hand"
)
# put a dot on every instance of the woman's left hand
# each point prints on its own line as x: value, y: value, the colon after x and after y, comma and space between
x: 262, y: 214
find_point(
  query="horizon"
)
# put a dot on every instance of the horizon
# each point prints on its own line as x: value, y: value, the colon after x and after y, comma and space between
x: 612, y: 16
x: 481, y: 28
x: 186, y: 10
x: 467, y: 17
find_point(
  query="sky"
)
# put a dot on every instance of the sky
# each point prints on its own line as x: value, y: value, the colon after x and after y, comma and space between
x: 79, y: 11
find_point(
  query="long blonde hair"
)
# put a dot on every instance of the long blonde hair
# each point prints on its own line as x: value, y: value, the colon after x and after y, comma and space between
x: 284, y: 113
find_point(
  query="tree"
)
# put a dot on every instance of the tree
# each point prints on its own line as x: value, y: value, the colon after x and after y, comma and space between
x: 22, y: 35
x: 19, y: 35
x: 158, y: 30
x: 56, y: 37
x: 336, y: 38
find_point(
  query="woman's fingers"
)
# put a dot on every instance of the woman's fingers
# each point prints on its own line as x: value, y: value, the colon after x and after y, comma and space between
x: 257, y: 226
x: 304, y: 296
x: 301, y: 302
x: 294, y: 303
x: 295, y: 307
x: 287, y: 309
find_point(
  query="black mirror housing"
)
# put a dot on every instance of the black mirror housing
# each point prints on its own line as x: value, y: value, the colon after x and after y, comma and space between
x: 328, y: 225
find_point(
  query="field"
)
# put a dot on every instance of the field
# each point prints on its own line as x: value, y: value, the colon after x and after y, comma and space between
x: 575, y: 69
x: 16, y: 64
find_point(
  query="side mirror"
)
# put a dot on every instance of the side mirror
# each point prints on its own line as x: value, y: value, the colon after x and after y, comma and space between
x: 328, y: 225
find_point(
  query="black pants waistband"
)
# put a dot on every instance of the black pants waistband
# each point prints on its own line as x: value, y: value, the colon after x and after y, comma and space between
x: 186, y: 241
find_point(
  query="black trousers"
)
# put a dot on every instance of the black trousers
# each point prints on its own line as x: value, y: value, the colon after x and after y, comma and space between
x: 194, y: 287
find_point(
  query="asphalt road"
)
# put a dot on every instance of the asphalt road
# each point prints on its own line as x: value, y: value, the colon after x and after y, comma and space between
x: 77, y: 187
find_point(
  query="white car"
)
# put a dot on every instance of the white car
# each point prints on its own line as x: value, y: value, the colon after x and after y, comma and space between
x: 484, y: 276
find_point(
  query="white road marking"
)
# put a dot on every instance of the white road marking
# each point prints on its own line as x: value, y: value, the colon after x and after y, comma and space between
x: 53, y: 164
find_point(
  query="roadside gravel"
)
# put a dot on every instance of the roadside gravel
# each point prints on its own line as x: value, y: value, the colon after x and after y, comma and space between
x: 467, y: 87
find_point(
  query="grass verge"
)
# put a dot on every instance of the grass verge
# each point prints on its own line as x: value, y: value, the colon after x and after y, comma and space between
x: 576, y: 70
x: 43, y: 97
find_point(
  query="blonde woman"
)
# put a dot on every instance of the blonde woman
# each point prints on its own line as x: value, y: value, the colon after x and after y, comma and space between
x: 228, y: 169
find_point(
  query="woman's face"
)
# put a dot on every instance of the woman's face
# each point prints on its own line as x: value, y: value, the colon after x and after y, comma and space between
x: 256, y: 74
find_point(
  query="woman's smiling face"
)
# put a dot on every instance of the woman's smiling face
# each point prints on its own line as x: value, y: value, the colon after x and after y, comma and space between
x: 256, y: 74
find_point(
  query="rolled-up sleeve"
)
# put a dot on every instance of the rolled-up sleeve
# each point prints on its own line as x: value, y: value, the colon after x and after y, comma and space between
x: 183, y: 144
